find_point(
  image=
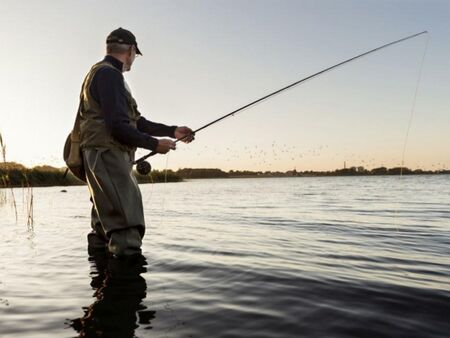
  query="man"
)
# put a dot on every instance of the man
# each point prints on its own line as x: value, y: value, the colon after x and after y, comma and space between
x: 111, y: 128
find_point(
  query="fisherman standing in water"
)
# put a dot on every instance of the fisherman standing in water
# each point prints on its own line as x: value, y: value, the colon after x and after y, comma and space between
x: 111, y: 128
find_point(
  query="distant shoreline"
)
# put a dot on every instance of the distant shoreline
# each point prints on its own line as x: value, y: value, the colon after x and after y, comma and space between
x: 200, y: 173
x: 17, y: 175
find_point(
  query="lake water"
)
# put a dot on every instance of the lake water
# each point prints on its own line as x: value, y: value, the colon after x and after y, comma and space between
x: 281, y: 257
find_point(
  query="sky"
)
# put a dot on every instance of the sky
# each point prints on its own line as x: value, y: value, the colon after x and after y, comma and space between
x: 203, y: 59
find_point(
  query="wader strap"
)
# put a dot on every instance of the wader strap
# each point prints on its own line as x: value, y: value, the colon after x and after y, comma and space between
x: 75, y: 135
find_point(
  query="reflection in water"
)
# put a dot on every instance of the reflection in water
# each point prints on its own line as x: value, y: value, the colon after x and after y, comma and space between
x: 119, y: 291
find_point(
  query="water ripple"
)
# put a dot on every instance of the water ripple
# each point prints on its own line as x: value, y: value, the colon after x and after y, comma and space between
x: 297, y: 257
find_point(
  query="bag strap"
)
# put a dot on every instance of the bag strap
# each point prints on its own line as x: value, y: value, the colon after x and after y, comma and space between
x: 76, y: 125
x: 75, y: 134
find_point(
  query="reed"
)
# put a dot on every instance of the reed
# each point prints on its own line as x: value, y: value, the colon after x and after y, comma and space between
x: 6, y: 180
x: 7, y: 184
x: 3, y: 198
x: 30, y: 207
x: 3, y: 148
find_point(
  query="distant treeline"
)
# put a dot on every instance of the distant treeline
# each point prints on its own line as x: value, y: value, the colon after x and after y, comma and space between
x: 353, y: 171
x: 361, y: 171
x: 202, y: 173
x: 16, y: 175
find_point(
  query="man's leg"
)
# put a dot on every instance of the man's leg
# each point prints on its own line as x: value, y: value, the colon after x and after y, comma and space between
x: 117, y: 199
x: 125, y: 242
x: 97, y: 240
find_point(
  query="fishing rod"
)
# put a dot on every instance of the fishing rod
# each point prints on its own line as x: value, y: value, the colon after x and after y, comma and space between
x: 143, y: 167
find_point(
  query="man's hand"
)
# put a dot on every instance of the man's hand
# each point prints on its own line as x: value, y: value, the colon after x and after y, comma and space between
x: 165, y: 145
x: 184, y: 134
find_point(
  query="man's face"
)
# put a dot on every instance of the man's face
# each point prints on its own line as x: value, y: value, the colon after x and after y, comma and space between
x: 130, y: 59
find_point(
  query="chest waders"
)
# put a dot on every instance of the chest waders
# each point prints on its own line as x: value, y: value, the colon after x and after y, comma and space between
x: 117, y: 215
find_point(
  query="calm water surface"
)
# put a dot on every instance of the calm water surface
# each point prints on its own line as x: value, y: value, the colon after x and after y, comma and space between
x: 285, y: 257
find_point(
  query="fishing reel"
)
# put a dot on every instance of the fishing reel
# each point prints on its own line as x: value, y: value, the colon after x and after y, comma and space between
x: 143, y: 168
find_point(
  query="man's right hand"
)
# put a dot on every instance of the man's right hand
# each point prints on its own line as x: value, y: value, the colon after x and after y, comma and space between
x: 164, y: 145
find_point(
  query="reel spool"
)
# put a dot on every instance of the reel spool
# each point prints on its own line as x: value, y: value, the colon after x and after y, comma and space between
x: 143, y: 168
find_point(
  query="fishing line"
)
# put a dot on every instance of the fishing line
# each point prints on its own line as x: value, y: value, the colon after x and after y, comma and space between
x: 410, y: 120
x: 167, y: 304
x: 165, y: 170
x: 164, y: 191
x: 414, y: 101
x: 151, y: 187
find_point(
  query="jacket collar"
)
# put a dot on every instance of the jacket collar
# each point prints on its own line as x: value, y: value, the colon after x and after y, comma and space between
x: 115, y: 62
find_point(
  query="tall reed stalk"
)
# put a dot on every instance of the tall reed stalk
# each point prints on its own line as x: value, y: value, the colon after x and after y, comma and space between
x: 3, y: 198
x: 5, y: 179
x: 3, y: 148
x: 13, y: 201
x: 30, y: 209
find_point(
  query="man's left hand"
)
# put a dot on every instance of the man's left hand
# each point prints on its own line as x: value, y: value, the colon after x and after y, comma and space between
x: 184, y: 134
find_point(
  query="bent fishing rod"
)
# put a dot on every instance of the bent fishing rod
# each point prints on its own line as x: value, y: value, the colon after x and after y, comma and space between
x: 144, y: 167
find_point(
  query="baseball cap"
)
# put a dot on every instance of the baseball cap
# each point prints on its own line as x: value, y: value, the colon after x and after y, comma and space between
x: 123, y: 36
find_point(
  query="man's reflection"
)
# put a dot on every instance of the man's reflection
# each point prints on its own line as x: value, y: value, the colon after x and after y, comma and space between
x: 119, y: 291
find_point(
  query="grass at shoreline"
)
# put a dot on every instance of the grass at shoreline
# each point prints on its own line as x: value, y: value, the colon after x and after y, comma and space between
x: 17, y: 175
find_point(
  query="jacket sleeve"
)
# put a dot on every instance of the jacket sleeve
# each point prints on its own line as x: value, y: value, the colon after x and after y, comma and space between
x: 110, y: 90
x: 154, y: 128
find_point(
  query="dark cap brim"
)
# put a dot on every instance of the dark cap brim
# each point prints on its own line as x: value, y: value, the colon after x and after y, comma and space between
x: 137, y: 50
